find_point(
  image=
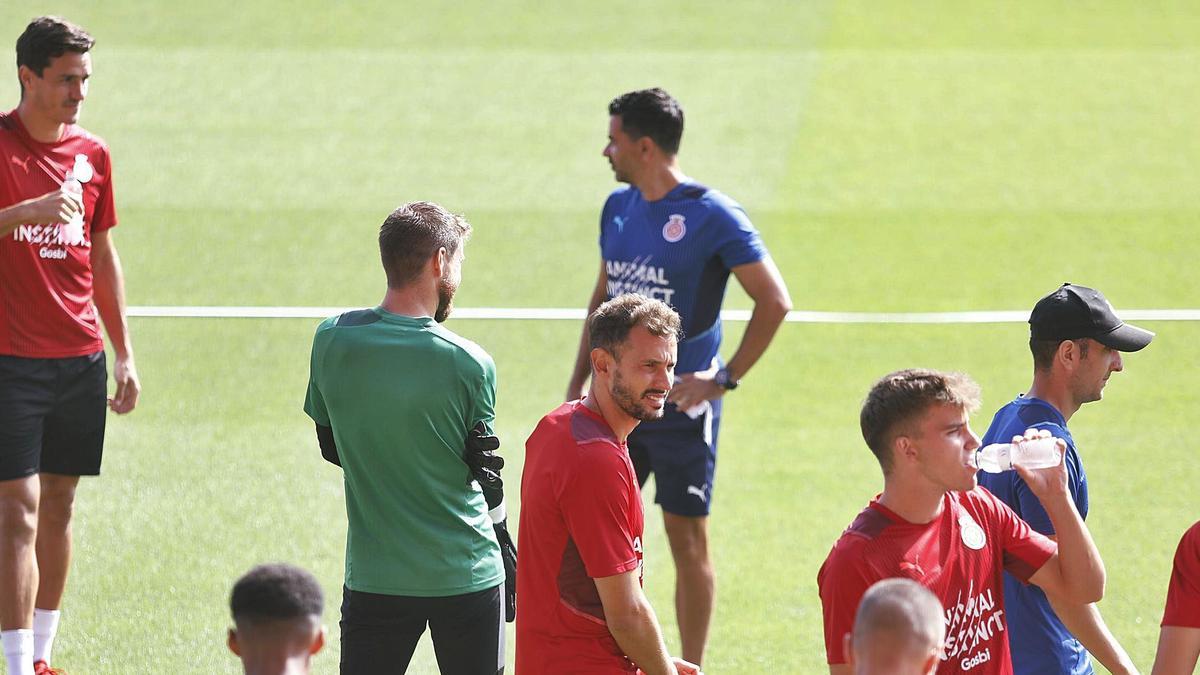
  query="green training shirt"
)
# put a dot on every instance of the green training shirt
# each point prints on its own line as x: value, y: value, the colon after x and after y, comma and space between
x: 400, y: 394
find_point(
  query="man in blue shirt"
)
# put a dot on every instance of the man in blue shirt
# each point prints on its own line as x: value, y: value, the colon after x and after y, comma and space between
x: 1076, y: 340
x: 667, y: 237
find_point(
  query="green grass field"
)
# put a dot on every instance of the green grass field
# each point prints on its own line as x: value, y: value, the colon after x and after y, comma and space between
x: 898, y: 156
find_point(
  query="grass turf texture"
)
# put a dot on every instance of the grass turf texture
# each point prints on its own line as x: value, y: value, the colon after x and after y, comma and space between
x: 897, y: 156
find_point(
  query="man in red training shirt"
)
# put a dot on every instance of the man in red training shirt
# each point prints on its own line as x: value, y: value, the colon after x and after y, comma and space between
x: 581, y: 607
x: 1179, y: 639
x: 933, y: 524
x: 56, y: 258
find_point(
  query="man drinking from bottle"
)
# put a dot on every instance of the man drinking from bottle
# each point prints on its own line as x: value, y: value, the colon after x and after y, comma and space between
x: 1076, y: 340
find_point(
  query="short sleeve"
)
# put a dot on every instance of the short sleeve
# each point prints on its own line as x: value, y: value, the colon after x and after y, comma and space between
x: 314, y: 402
x: 1024, y: 549
x: 606, y: 215
x: 1183, y: 595
x: 842, y: 585
x: 597, y: 506
x: 738, y: 242
x: 1030, y: 507
x: 483, y: 407
x: 104, y: 211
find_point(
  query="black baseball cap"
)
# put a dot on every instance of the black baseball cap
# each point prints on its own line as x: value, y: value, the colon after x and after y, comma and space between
x: 1072, y: 312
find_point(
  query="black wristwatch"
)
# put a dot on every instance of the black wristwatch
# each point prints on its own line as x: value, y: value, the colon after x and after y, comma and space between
x: 724, y: 381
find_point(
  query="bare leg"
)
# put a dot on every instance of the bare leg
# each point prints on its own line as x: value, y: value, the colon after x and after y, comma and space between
x: 54, y: 537
x: 18, y: 562
x: 695, y: 581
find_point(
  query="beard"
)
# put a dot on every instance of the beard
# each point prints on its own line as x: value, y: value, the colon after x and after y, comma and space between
x: 446, y: 291
x: 625, y: 400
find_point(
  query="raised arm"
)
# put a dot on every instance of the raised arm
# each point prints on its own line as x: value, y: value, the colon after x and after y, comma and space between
x: 1075, y: 574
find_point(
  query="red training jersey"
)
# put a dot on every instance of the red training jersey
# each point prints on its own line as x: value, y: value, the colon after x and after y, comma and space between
x: 960, y: 556
x: 46, y: 308
x: 581, y: 519
x: 1183, y: 595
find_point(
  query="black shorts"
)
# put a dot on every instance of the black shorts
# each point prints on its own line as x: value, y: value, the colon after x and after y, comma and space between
x: 52, y: 414
x: 380, y: 632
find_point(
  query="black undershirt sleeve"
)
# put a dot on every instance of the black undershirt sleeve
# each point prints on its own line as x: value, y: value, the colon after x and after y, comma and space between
x: 328, y: 446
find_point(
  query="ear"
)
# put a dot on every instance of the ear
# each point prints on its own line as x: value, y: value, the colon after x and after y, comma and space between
x: 903, y: 447
x: 318, y: 642
x: 439, y: 260
x: 232, y: 641
x: 602, y: 361
x: 1068, y: 354
x: 646, y: 147
x: 25, y: 75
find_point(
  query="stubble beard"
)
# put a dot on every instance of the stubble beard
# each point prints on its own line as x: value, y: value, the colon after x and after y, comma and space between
x: 446, y: 292
x: 631, y: 405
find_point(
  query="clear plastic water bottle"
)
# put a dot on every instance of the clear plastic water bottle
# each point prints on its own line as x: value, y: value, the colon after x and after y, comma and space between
x: 73, y: 230
x: 1039, y: 453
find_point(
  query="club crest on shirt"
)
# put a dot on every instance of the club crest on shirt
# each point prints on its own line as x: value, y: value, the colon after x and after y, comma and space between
x: 82, y: 171
x: 971, y: 532
x: 675, y: 228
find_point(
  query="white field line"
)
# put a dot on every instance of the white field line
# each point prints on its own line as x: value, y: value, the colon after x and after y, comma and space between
x: 578, y: 314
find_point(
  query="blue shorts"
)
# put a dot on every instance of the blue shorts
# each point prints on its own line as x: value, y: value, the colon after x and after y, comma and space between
x: 681, y: 452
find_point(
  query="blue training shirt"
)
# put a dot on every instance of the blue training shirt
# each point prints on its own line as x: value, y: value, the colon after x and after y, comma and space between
x: 679, y: 249
x: 1039, y: 641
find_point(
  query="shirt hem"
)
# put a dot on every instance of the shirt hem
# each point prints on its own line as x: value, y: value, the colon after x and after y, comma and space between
x: 67, y: 354
x: 425, y: 592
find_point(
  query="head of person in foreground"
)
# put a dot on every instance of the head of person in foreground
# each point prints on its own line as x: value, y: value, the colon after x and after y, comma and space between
x: 277, y: 620
x: 633, y: 342
x: 916, y: 423
x: 899, y: 630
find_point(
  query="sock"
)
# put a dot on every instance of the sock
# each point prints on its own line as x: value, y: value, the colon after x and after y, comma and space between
x: 18, y: 649
x: 45, y: 627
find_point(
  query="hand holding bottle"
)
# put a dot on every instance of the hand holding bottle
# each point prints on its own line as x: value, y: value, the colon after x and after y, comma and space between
x: 1049, y: 481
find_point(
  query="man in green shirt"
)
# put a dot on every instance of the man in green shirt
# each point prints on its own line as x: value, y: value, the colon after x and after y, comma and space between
x: 394, y: 395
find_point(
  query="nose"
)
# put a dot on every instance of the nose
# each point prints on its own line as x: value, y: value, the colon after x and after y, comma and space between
x: 79, y: 91
x: 664, y: 378
x: 1118, y: 364
x: 607, y: 152
x: 972, y: 443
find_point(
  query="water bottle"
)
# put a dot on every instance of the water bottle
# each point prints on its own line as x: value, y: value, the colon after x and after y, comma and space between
x: 73, y: 230
x: 1039, y: 453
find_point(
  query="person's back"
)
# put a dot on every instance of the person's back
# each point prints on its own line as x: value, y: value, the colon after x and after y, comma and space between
x: 406, y: 409
x: 401, y: 393
x: 277, y: 620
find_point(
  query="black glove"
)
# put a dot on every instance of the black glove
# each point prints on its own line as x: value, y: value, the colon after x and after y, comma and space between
x: 508, y: 552
x: 482, y: 459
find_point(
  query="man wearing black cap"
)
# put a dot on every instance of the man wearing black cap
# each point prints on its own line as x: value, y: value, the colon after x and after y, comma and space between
x: 1076, y: 339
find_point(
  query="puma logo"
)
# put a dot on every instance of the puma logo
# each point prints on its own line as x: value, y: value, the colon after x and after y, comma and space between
x: 699, y: 492
x: 23, y: 163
